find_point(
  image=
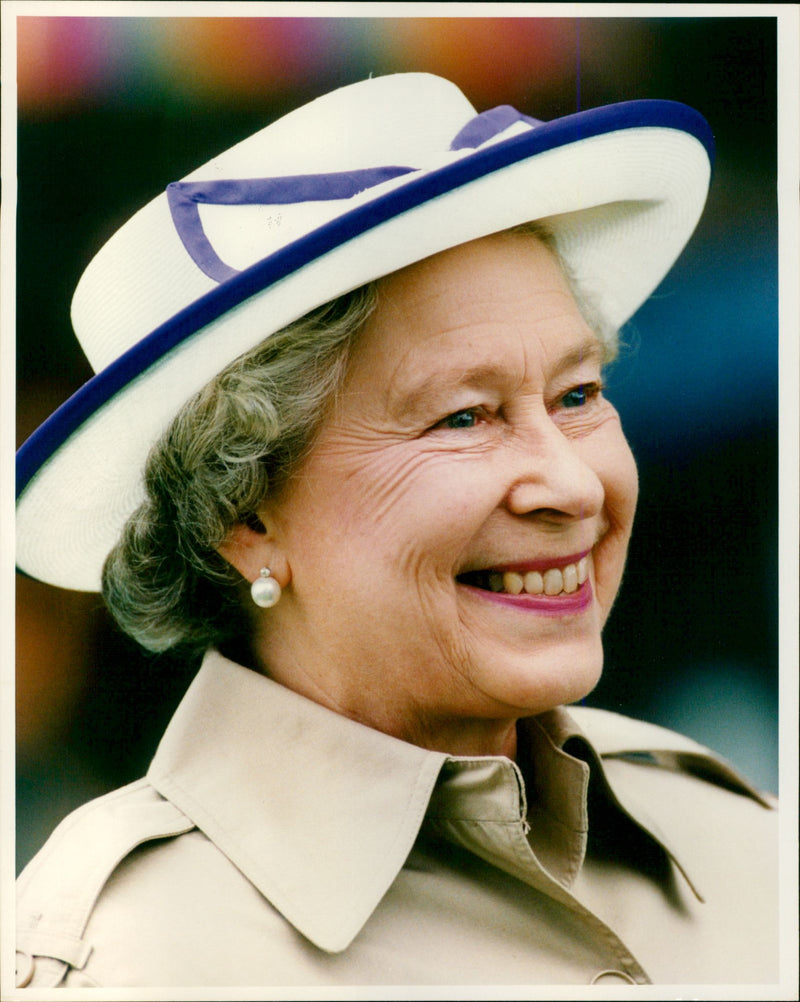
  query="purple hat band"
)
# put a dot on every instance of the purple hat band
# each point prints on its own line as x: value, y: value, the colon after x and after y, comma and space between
x: 185, y: 196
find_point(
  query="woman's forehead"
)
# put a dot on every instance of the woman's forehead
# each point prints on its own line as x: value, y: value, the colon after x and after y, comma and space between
x: 468, y: 313
x: 500, y: 260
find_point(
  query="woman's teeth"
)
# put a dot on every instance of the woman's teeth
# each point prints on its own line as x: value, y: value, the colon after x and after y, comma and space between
x: 551, y: 582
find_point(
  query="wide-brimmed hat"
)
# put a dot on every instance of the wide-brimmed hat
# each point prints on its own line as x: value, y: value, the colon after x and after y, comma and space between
x: 348, y: 188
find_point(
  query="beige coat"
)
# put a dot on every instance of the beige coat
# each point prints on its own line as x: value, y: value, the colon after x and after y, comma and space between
x: 274, y: 842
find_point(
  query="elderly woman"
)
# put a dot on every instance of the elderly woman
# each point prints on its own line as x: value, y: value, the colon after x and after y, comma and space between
x: 348, y: 436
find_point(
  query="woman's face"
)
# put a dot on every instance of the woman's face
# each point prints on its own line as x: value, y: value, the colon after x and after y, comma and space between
x: 472, y: 450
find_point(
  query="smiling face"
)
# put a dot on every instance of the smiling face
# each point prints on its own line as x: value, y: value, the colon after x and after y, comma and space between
x: 457, y: 535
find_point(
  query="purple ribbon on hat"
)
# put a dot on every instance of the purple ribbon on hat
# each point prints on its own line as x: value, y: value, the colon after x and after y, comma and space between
x: 184, y: 197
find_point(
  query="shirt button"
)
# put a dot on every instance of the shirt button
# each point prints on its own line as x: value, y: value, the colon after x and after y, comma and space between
x: 24, y: 969
x: 612, y: 978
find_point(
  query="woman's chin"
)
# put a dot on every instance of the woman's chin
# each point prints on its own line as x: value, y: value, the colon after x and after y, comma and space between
x: 538, y: 683
x: 535, y: 663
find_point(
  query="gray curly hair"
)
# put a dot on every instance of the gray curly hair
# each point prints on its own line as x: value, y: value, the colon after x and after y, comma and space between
x: 231, y: 445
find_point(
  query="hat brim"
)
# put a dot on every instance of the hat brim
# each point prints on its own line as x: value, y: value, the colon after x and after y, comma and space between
x: 622, y: 187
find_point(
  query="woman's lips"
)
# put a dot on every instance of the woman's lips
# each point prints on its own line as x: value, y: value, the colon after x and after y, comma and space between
x: 556, y: 586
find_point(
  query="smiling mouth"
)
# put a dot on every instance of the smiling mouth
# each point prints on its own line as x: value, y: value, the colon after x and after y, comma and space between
x: 551, y: 581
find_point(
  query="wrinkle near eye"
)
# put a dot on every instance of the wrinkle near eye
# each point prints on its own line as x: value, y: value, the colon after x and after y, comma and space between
x: 385, y: 475
x: 578, y: 422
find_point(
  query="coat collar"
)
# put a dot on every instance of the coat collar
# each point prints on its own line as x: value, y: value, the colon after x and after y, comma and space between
x: 277, y: 781
x: 318, y: 811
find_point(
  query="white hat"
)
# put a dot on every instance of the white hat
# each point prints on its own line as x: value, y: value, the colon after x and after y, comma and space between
x: 350, y: 187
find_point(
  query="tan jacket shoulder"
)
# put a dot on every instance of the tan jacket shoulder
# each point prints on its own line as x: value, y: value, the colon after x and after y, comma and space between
x: 58, y: 889
x: 720, y: 831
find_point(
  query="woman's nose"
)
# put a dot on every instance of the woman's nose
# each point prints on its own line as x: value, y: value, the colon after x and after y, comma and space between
x: 555, y: 477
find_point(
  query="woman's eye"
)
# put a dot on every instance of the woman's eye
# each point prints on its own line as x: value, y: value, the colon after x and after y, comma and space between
x: 467, y: 418
x: 580, y: 395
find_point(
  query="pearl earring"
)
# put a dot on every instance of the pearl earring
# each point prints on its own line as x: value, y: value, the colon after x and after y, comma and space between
x: 265, y: 590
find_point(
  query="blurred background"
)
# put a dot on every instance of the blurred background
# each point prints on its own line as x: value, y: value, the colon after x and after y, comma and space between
x: 111, y: 109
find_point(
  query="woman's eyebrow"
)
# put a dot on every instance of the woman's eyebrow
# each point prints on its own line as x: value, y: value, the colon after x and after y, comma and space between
x: 414, y: 392
x: 410, y: 392
x: 588, y: 350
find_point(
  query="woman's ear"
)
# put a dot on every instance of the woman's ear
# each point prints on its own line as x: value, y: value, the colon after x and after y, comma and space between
x: 249, y: 546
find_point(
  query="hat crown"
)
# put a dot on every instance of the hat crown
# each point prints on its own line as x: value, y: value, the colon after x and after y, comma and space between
x: 144, y: 274
x: 371, y: 123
